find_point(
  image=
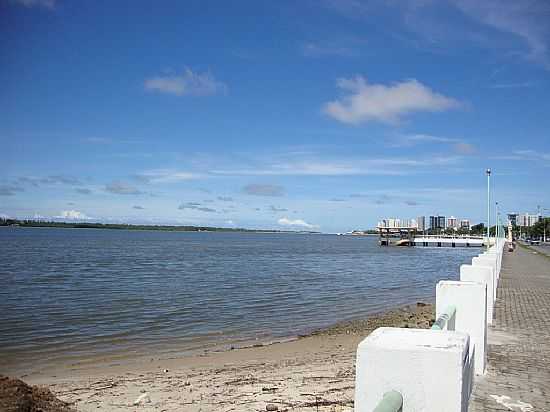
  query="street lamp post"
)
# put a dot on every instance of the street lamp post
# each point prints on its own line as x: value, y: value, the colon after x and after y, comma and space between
x: 544, y: 223
x: 488, y: 172
x: 496, y: 217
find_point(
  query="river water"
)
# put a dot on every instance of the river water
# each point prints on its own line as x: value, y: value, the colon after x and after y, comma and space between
x: 78, y: 293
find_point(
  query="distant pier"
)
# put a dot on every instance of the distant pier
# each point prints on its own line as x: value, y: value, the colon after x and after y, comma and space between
x: 409, y: 236
x: 448, y: 241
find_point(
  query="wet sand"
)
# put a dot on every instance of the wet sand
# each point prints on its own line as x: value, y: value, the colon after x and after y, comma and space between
x: 311, y: 373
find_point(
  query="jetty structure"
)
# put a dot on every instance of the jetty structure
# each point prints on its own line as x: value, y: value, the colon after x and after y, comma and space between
x: 396, y: 232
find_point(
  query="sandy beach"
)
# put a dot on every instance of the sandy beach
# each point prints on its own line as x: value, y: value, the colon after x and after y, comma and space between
x: 314, y: 372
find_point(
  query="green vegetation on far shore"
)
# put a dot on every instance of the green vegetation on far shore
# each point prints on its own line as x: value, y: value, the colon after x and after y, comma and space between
x: 124, y: 226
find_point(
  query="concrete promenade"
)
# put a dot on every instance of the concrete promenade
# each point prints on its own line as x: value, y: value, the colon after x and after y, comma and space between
x: 518, y: 372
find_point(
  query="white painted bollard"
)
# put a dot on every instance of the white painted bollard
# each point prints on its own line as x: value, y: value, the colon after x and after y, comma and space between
x: 481, y: 274
x: 430, y: 368
x: 470, y: 300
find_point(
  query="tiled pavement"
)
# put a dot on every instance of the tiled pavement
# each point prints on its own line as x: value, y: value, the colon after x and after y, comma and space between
x: 518, y: 374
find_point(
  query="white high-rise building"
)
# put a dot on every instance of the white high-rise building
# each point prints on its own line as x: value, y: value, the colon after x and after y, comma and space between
x: 452, y: 222
x: 465, y: 224
x: 394, y: 223
x: 421, y: 223
x: 525, y: 219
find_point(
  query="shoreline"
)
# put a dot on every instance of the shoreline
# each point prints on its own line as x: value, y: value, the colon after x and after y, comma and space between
x: 316, y: 370
x: 173, y: 350
x: 148, y: 228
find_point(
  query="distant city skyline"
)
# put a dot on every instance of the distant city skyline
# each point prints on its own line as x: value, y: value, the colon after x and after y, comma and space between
x: 323, y: 116
x: 434, y: 222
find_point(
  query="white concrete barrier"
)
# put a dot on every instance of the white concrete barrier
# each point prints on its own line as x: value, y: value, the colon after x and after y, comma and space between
x: 481, y: 274
x: 470, y: 300
x: 431, y: 369
x: 495, y: 256
x: 490, y: 263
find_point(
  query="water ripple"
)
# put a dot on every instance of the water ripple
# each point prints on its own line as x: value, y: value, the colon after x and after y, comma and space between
x: 82, y: 292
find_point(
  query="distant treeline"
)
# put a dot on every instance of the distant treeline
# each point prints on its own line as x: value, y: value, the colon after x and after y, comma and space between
x: 122, y: 226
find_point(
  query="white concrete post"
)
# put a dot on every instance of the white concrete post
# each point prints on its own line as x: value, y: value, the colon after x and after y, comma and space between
x: 470, y: 300
x: 488, y: 262
x: 481, y: 274
x: 430, y: 368
x: 489, y: 259
x: 495, y: 256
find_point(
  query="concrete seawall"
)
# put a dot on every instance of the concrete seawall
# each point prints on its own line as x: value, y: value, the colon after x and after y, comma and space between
x: 489, y: 351
x: 433, y: 370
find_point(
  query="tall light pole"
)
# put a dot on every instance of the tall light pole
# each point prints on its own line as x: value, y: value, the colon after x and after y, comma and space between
x: 488, y: 172
x: 544, y: 223
x: 496, y: 219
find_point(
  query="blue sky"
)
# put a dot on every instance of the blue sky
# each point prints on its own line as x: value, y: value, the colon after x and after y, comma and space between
x: 291, y: 115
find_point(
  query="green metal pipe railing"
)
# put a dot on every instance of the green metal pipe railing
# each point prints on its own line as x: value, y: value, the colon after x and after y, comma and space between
x: 442, y: 320
x: 392, y: 401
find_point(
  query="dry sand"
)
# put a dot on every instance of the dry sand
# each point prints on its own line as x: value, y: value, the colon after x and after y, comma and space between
x: 312, y: 373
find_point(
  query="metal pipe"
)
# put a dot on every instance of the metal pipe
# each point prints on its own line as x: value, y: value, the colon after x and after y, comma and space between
x: 442, y: 320
x: 392, y: 401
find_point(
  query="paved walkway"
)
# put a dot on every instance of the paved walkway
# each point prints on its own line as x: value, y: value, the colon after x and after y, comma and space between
x: 518, y: 376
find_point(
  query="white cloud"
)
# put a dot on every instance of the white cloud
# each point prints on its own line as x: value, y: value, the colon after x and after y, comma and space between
x: 526, y: 19
x: 412, y: 139
x: 532, y: 155
x: 340, y: 167
x: 525, y: 155
x: 166, y: 176
x: 276, y: 209
x: 73, y: 215
x: 186, y: 84
x: 296, y: 223
x: 377, y: 102
x: 122, y: 188
x: 225, y: 198
x: 196, y: 206
x: 10, y: 190
x: 256, y: 189
x: 83, y: 190
x: 457, y: 145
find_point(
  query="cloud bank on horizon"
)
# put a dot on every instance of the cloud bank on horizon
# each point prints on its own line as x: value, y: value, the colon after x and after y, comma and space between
x: 372, y: 109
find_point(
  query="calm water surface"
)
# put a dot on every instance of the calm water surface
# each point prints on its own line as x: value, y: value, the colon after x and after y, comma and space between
x: 83, y: 292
